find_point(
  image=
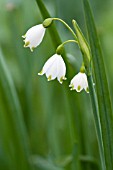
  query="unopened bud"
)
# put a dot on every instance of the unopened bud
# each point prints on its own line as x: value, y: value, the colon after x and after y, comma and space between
x: 82, y: 44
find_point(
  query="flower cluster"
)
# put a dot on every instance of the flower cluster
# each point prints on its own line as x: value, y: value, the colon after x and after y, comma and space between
x: 55, y: 66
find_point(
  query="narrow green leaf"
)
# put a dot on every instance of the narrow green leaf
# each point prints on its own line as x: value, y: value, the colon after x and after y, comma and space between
x: 97, y: 119
x: 103, y: 97
x: 16, y: 117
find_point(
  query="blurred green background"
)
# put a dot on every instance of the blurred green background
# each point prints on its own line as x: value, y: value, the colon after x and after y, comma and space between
x: 44, y: 125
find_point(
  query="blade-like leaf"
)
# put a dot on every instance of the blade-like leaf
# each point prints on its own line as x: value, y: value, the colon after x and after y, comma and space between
x: 16, y: 117
x: 103, y: 97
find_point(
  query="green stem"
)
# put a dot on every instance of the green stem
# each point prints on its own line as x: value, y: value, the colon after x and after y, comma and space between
x: 68, y: 41
x: 69, y: 28
x: 61, y: 46
x: 97, y: 120
x: 16, y: 116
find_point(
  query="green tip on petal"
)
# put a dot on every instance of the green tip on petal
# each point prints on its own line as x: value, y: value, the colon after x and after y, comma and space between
x: 87, y: 89
x: 72, y: 86
x: 61, y: 81
x: 78, y: 88
x: 23, y: 36
x: 32, y: 49
x: 49, y: 78
x: 62, y: 78
x: 40, y: 73
x: 26, y: 44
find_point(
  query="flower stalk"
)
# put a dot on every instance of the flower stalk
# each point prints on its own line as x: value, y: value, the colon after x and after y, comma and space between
x: 69, y: 28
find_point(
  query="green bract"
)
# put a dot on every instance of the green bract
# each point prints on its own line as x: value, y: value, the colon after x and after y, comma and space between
x: 83, y: 45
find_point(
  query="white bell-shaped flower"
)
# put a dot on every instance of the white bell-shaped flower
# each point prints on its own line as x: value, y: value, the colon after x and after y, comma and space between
x: 54, y: 68
x: 34, y: 36
x: 79, y: 82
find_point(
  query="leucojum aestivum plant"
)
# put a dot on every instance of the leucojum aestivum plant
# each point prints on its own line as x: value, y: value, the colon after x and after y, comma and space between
x: 55, y: 67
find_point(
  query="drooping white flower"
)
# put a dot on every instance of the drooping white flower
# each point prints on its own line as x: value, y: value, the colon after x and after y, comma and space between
x: 79, y: 82
x: 34, y: 36
x: 54, y: 68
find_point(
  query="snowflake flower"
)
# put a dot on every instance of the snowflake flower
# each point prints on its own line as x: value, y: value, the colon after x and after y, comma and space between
x: 79, y: 82
x: 54, y: 68
x: 34, y: 36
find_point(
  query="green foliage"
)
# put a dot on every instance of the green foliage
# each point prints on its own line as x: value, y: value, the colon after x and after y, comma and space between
x: 103, y: 97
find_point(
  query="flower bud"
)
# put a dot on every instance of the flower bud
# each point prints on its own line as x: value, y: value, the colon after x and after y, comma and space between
x: 82, y: 44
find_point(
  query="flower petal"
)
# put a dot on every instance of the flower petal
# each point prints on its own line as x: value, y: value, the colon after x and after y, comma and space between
x: 61, y: 67
x: 85, y: 83
x: 49, y: 63
x: 52, y: 71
